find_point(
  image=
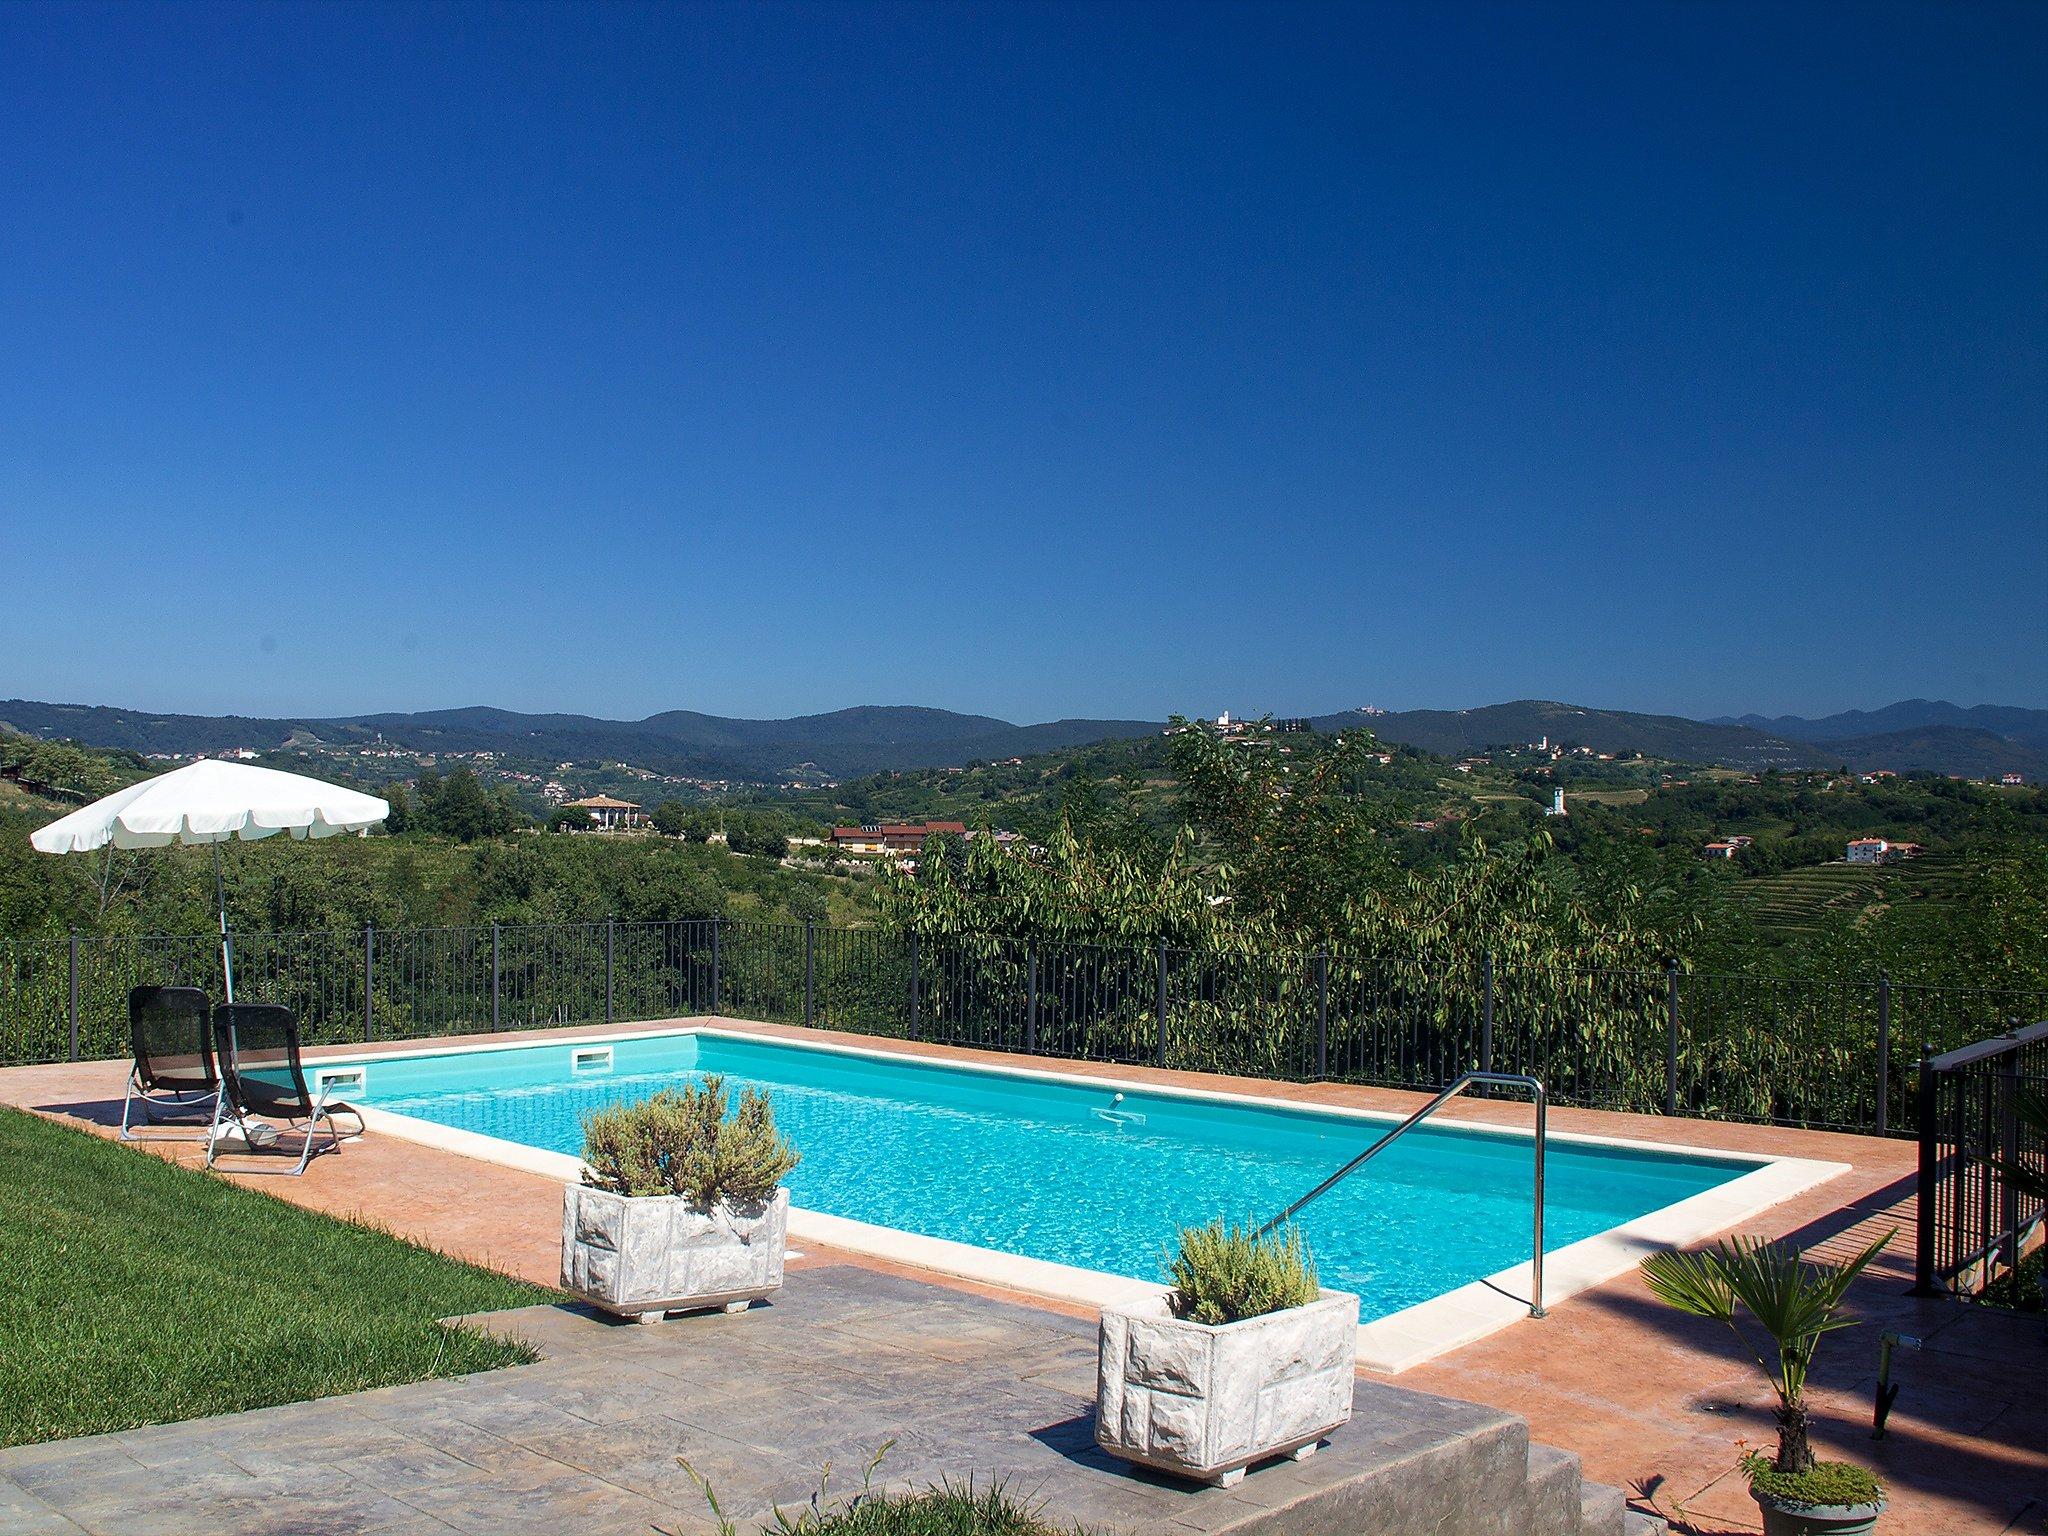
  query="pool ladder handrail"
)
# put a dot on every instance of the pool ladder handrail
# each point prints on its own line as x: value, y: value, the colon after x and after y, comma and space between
x: 1497, y: 1079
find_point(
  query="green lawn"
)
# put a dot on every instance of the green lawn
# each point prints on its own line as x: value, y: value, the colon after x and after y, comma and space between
x: 136, y: 1292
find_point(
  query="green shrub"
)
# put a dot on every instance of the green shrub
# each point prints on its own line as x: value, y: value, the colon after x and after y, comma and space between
x: 950, y: 1509
x: 2025, y: 1289
x: 945, y: 1508
x: 1225, y: 1274
x: 1826, y: 1482
x: 682, y: 1142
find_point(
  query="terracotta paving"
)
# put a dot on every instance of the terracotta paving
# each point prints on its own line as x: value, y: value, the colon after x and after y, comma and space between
x: 1650, y: 1400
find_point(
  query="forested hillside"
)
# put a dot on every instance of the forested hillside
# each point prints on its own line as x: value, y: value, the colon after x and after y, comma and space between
x: 457, y: 860
x: 1263, y: 839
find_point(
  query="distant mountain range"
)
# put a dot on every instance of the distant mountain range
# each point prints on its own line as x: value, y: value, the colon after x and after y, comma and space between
x: 1917, y: 735
x: 2029, y: 727
x: 843, y: 744
x: 1914, y: 736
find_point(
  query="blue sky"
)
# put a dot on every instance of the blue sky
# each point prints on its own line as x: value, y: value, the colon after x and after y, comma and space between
x: 1037, y: 360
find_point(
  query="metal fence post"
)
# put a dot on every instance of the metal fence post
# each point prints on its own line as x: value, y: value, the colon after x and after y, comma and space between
x: 2005, y: 1093
x: 1031, y: 999
x: 369, y: 980
x: 913, y: 986
x: 1884, y: 1053
x: 810, y: 974
x: 496, y: 990
x: 611, y: 934
x: 1671, y: 1038
x: 1322, y: 1015
x: 1486, y: 1012
x: 1162, y: 1005
x: 717, y: 958
x: 74, y: 994
x: 1924, y: 1283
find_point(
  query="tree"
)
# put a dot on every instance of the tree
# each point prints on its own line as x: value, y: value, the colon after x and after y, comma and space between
x: 459, y: 806
x: 694, y: 823
x: 569, y: 818
x: 755, y: 835
x: 1298, y: 833
x: 1068, y: 890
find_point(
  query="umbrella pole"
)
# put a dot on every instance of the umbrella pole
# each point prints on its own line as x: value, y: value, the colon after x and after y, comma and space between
x: 220, y: 901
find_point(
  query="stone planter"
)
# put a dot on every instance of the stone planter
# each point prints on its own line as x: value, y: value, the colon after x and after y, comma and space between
x: 647, y: 1255
x: 1784, y: 1519
x: 1205, y: 1402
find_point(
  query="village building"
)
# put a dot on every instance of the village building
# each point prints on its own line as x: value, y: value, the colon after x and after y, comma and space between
x: 896, y: 838
x: 607, y: 814
x: 1878, y: 850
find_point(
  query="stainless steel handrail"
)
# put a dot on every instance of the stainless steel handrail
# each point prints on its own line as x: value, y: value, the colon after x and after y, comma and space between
x: 1499, y: 1079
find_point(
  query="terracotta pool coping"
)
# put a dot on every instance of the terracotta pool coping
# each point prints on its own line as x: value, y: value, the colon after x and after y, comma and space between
x: 1392, y: 1343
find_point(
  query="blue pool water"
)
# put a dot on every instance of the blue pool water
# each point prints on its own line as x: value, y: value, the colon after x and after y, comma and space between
x: 1061, y: 1171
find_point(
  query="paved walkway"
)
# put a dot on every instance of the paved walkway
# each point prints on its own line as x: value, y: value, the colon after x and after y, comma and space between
x: 587, y: 1442
x: 1644, y: 1396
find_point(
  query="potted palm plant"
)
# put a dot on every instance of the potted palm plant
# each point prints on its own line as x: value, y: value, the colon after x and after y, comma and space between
x: 681, y: 1207
x: 1246, y: 1358
x: 1793, y: 1303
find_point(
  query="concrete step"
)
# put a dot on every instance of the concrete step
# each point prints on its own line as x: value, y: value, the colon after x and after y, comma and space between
x: 1636, y: 1523
x: 1407, y: 1464
x: 1554, y: 1492
x: 1602, y: 1511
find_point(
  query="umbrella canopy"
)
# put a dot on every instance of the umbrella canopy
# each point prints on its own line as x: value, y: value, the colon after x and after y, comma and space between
x: 209, y: 802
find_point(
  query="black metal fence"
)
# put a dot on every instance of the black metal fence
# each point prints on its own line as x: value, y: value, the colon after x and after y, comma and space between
x: 1839, y: 1054
x: 1983, y: 1161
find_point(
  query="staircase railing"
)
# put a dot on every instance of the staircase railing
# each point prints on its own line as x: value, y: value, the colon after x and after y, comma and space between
x: 1496, y: 1079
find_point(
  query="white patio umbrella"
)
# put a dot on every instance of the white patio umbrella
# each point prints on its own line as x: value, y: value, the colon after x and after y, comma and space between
x: 210, y: 802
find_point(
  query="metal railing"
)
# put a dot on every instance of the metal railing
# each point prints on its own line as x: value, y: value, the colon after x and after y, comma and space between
x: 1466, y: 1080
x: 1983, y: 1162
x: 1836, y: 1054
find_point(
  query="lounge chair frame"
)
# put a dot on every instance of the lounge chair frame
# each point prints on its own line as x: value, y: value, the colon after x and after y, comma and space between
x: 159, y: 1092
x: 244, y: 1095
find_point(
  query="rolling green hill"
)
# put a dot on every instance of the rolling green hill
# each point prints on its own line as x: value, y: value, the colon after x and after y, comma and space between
x: 1456, y: 732
x: 1800, y: 900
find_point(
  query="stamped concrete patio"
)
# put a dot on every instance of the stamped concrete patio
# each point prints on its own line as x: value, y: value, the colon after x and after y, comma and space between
x: 845, y: 1364
x: 1648, y: 1399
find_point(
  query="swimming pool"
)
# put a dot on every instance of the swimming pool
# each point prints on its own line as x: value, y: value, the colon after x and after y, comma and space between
x: 1072, y: 1173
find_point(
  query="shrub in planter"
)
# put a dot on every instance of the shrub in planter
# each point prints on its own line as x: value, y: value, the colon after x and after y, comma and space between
x: 681, y: 1205
x: 1246, y: 1358
x: 1793, y: 1303
x: 1831, y: 1498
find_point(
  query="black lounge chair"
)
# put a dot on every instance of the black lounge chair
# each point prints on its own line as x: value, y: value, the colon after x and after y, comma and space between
x: 173, y: 1076
x: 261, y: 1074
